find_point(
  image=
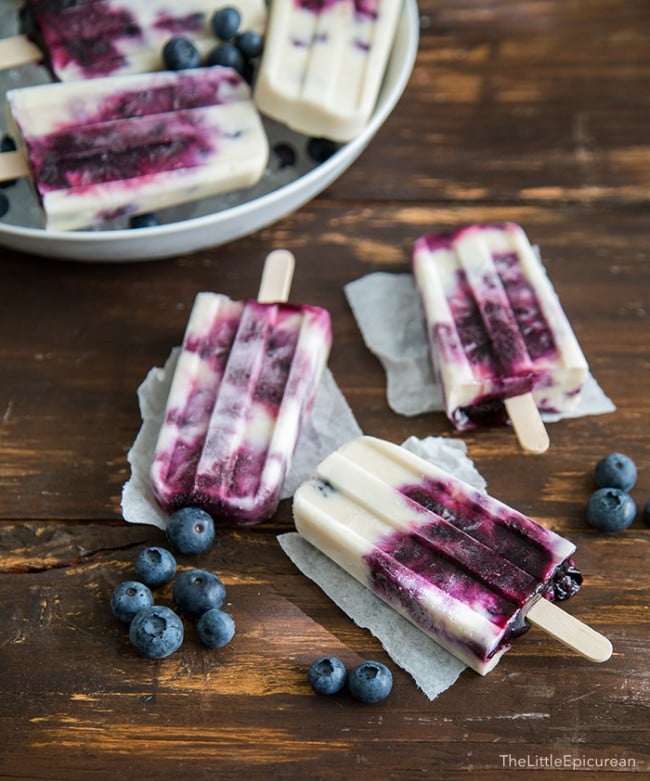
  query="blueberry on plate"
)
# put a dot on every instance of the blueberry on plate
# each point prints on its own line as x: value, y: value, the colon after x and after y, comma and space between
x: 321, y: 149
x: 370, y: 682
x: 250, y: 44
x: 225, y: 23
x: 156, y: 632
x: 129, y: 598
x: 197, y: 590
x: 155, y: 566
x: 327, y: 675
x: 149, y: 220
x: 610, y: 510
x: 215, y: 628
x: 190, y: 530
x: 227, y: 55
x: 616, y: 471
x: 5, y: 203
x: 180, y: 54
x: 285, y: 154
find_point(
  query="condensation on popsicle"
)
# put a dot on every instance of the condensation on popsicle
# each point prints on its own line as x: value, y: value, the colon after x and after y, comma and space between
x: 115, y: 147
x: 246, y: 378
x: 462, y: 566
x: 495, y: 326
x: 324, y: 62
x: 85, y: 39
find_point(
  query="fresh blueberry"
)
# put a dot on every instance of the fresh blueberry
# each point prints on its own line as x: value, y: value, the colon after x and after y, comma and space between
x: 285, y: 154
x: 155, y: 566
x: 225, y: 23
x: 190, y: 530
x: 227, y: 54
x: 129, y: 598
x: 370, y: 682
x: 610, y: 510
x: 215, y: 628
x: 321, y: 149
x: 250, y: 44
x: 646, y: 513
x: 616, y: 471
x: 180, y: 54
x: 156, y: 632
x: 327, y: 675
x: 197, y: 590
x: 148, y: 220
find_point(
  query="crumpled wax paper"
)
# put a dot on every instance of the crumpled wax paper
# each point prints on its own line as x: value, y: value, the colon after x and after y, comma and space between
x: 387, y: 311
x: 328, y: 426
x: 432, y: 667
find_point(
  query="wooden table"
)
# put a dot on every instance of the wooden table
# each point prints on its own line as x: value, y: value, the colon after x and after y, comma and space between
x: 525, y: 111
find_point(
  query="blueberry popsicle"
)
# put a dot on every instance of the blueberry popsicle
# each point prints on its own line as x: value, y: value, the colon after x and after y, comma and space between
x: 246, y: 378
x: 107, y: 148
x: 496, y: 329
x: 323, y: 63
x: 465, y: 568
x: 85, y: 39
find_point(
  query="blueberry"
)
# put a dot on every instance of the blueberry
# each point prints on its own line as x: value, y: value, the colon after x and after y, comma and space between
x: 155, y: 566
x: 616, y: 471
x: 4, y: 204
x: 566, y: 581
x: 197, y: 590
x: 610, y: 510
x: 646, y: 513
x: 321, y: 149
x: 129, y: 598
x: 7, y: 144
x: 327, y: 675
x: 156, y: 632
x: 190, y: 530
x: 285, y: 154
x: 228, y: 55
x: 148, y: 220
x: 180, y: 54
x: 225, y: 23
x: 250, y: 44
x: 215, y: 628
x: 370, y: 682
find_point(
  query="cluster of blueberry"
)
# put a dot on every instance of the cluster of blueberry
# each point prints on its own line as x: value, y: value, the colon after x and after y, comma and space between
x: 237, y: 50
x: 156, y: 631
x: 611, y: 508
x: 368, y: 682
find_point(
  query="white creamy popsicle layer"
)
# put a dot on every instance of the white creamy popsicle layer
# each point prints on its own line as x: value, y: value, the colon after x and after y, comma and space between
x: 121, y: 146
x: 323, y: 63
x: 495, y: 325
x: 462, y: 566
x: 246, y: 378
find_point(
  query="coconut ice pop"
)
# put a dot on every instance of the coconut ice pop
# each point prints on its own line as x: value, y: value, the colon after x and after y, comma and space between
x: 324, y: 62
x: 496, y: 329
x: 85, y: 39
x: 120, y: 146
x: 246, y: 378
x: 465, y: 568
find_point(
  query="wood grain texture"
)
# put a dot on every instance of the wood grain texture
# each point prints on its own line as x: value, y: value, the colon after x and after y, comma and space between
x: 533, y: 111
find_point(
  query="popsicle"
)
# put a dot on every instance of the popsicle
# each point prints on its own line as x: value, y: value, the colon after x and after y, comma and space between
x: 124, y: 145
x: 245, y: 380
x: 496, y: 329
x: 465, y: 568
x: 84, y: 39
x: 323, y: 63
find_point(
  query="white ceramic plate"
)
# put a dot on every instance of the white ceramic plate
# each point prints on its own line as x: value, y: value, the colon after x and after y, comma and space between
x: 216, y: 220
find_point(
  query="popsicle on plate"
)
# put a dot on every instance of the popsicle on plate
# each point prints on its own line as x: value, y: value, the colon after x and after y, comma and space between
x: 496, y: 329
x: 245, y: 380
x: 465, y: 568
x: 324, y: 62
x: 85, y: 39
x: 101, y: 149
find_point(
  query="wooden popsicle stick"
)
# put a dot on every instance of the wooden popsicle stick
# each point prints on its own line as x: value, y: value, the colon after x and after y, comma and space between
x: 13, y: 165
x: 527, y: 423
x: 18, y: 50
x: 277, y: 276
x: 569, y: 630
